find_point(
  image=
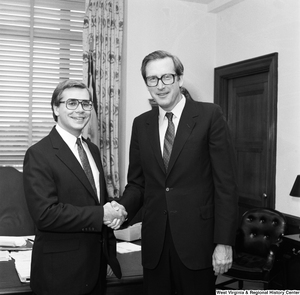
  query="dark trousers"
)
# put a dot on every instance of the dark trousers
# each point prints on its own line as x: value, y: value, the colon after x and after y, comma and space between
x: 171, y: 276
x: 100, y: 287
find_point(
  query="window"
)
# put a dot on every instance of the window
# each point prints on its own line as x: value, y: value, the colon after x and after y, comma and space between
x: 40, y: 45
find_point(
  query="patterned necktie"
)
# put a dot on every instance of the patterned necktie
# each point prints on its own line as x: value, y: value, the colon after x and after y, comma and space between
x: 169, y: 139
x: 85, y: 164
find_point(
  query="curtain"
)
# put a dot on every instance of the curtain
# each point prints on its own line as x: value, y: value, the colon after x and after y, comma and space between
x: 102, y: 46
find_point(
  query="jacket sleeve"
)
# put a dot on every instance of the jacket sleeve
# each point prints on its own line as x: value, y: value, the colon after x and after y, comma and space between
x: 56, y: 199
x: 223, y: 162
x: 133, y: 195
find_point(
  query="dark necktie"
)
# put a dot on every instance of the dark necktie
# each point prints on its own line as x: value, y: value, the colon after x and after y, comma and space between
x: 169, y: 139
x: 85, y: 164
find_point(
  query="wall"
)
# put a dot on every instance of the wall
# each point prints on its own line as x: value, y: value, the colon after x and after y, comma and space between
x: 257, y: 27
x: 204, y: 41
x: 182, y: 28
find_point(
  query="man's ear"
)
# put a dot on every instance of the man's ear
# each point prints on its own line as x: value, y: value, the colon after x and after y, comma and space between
x: 180, y: 80
x: 56, y: 110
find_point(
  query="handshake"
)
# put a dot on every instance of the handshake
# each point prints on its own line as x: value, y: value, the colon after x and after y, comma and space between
x: 114, y: 214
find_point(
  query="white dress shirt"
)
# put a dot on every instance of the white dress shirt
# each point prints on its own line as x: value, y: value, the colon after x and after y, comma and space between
x: 163, y: 120
x: 70, y: 140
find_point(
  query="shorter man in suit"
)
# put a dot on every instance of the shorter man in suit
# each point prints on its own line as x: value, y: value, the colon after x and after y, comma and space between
x: 182, y: 171
x: 66, y: 191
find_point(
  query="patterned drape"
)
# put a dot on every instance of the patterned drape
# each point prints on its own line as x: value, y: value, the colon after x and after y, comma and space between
x: 102, y: 46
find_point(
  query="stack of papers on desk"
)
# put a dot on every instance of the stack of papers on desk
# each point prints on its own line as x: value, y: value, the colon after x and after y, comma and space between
x: 8, y: 241
x: 131, y: 233
x: 4, y: 256
x: 22, y: 264
x: 19, y: 249
x: 12, y: 243
x: 126, y: 247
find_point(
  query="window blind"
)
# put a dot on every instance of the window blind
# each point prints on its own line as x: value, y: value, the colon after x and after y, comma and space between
x: 40, y: 45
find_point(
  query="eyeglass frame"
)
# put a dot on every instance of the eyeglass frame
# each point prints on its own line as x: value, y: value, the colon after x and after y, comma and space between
x: 161, y: 79
x: 79, y: 101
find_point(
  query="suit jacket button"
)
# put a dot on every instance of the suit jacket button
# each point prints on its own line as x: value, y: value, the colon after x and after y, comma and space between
x: 167, y: 189
x: 165, y: 212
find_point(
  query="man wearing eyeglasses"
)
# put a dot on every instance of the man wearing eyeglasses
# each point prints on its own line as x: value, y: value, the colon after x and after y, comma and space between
x: 67, y: 198
x: 182, y: 171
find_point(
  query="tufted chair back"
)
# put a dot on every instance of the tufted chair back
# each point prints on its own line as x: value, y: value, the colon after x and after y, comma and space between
x: 260, y: 228
x: 258, y: 254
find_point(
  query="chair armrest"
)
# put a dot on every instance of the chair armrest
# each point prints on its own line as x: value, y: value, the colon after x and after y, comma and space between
x: 239, y: 240
x: 271, y: 258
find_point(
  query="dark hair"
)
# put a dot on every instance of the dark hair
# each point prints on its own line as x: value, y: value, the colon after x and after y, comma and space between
x: 160, y: 54
x: 186, y: 93
x: 56, y: 96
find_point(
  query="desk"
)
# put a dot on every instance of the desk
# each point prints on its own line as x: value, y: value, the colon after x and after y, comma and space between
x: 130, y: 284
x: 291, y: 248
x: 9, y: 280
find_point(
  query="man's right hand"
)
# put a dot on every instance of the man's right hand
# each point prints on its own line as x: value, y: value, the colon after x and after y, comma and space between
x: 114, y: 214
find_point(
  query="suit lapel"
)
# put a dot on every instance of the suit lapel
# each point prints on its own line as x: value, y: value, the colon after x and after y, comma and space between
x: 93, y: 152
x: 64, y: 153
x: 97, y: 160
x: 153, y: 135
x: 185, y: 127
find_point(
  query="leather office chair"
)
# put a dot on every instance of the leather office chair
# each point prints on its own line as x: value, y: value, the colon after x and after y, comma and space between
x: 15, y: 219
x: 257, y: 255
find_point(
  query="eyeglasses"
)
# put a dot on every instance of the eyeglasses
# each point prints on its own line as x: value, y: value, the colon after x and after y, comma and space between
x: 73, y: 103
x: 166, y: 79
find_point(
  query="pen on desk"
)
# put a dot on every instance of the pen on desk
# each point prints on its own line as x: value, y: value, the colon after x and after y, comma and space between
x: 30, y: 240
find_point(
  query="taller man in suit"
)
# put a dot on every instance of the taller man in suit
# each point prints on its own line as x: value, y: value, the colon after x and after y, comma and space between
x: 72, y: 245
x: 187, y: 185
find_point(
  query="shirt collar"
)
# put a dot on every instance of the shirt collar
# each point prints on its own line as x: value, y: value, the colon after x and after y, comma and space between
x: 69, y: 138
x: 177, y: 110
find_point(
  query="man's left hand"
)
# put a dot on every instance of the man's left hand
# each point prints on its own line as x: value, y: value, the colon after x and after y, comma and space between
x: 222, y: 259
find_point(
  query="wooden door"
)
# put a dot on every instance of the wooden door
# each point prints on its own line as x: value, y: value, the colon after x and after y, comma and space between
x: 247, y: 93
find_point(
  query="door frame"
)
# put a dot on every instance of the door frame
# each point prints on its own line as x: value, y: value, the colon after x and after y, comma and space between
x: 267, y: 63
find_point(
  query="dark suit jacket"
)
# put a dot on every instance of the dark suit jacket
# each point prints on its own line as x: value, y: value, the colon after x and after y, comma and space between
x: 197, y: 194
x: 70, y: 236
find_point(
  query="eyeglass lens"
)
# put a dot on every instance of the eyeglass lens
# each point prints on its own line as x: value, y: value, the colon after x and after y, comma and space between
x: 73, y: 103
x: 166, y: 79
